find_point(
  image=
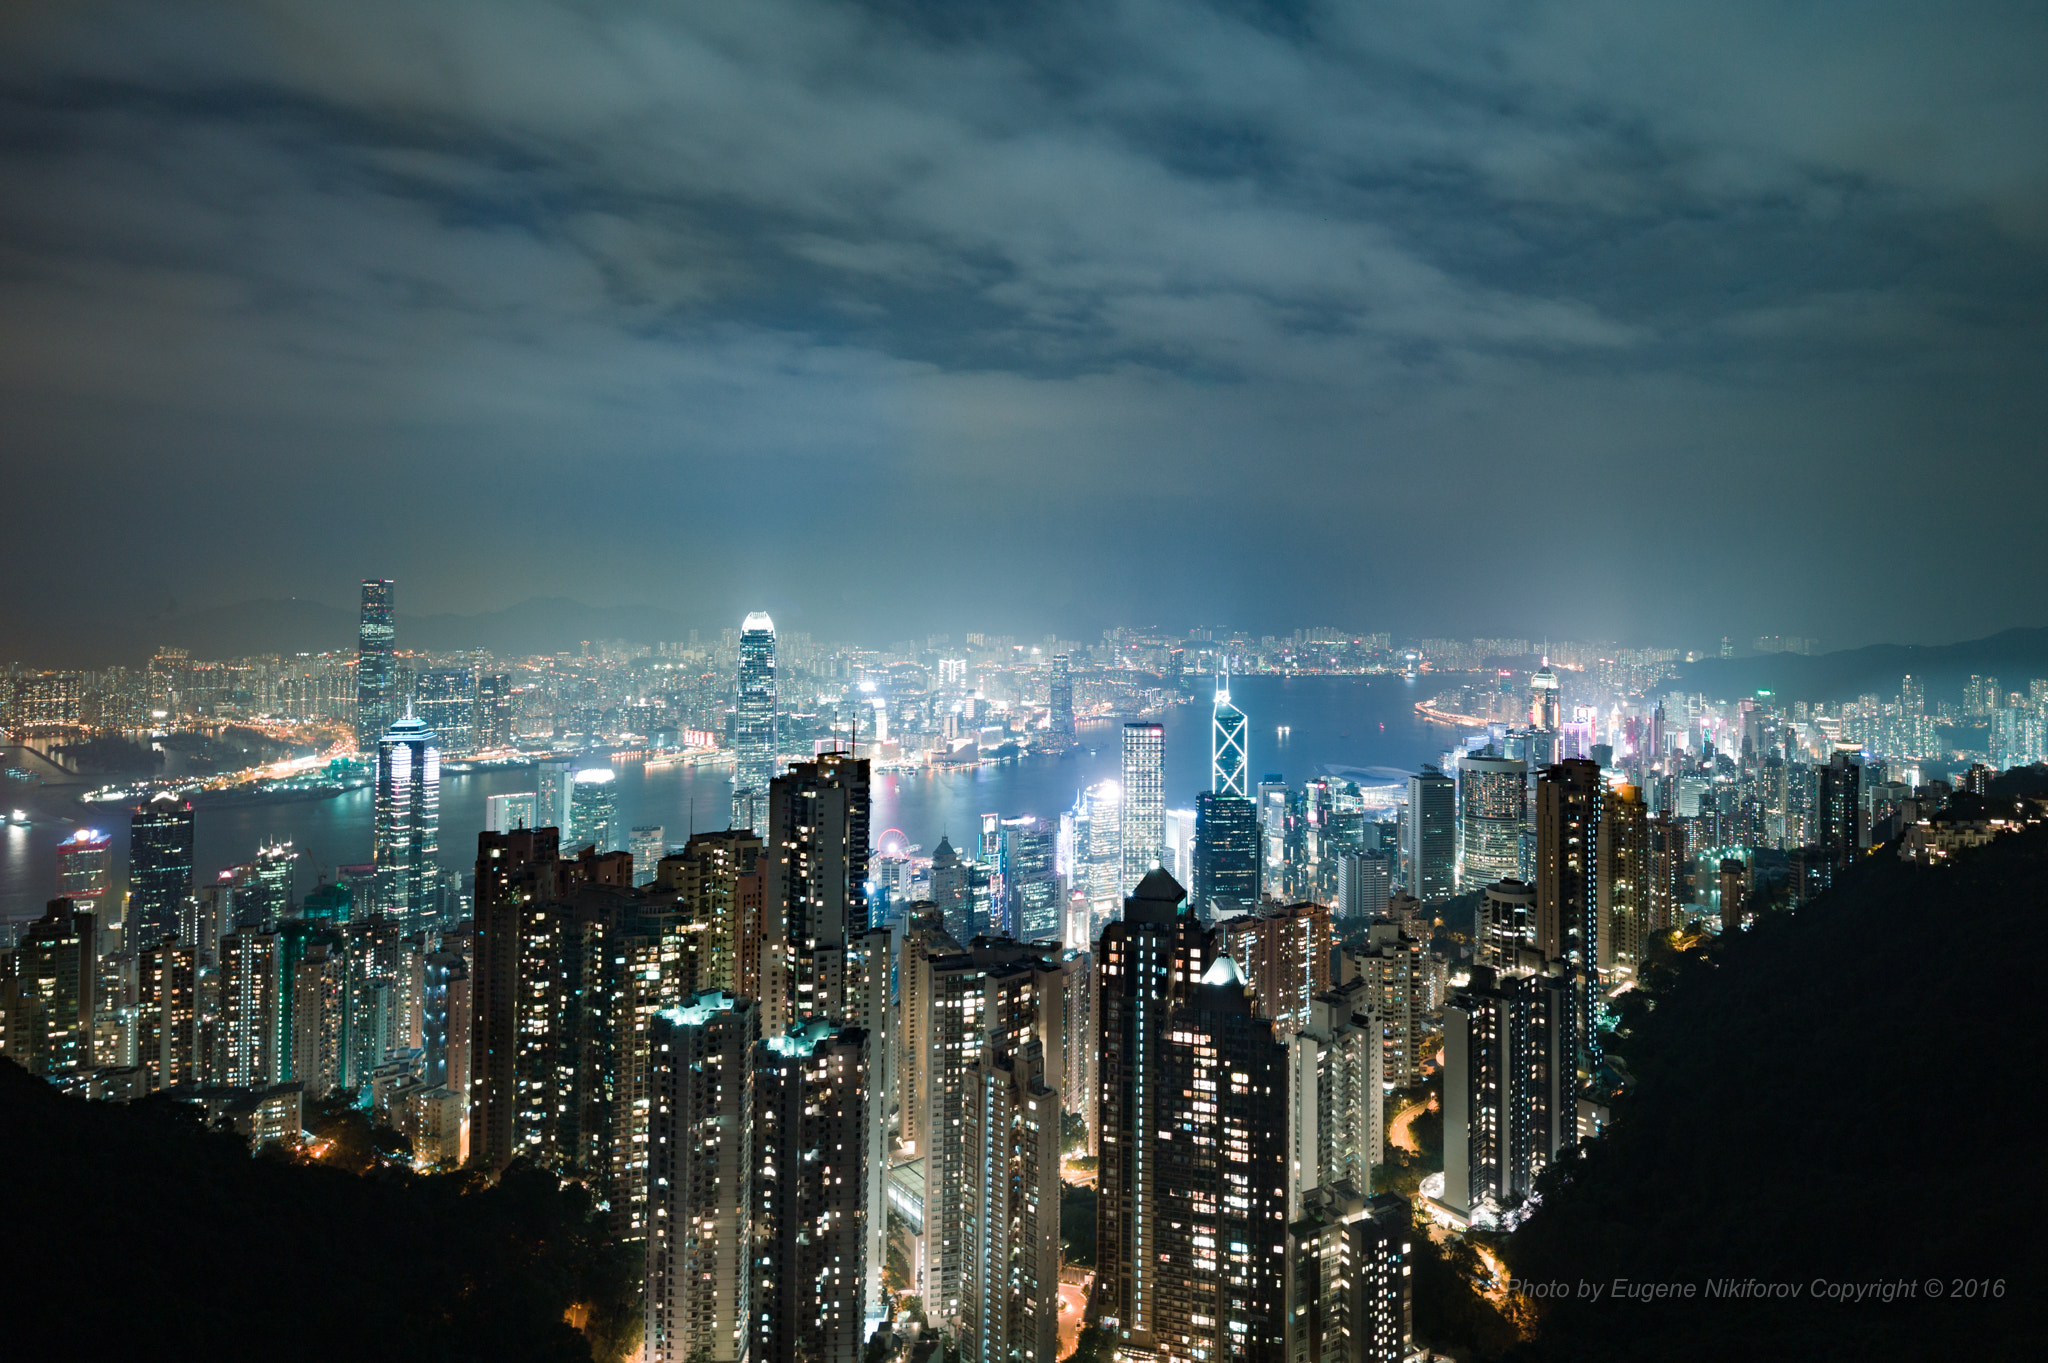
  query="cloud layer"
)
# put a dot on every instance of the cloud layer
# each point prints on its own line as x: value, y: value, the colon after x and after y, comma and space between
x: 1652, y: 319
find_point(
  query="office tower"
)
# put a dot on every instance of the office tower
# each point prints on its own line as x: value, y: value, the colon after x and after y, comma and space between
x: 249, y: 1009
x: 1429, y: 836
x: 266, y: 897
x: 1229, y: 753
x: 1188, y: 1248
x: 376, y: 681
x: 1545, y: 713
x: 408, y: 817
x: 1336, y: 1096
x: 1226, y: 855
x: 700, y: 1180
x: 1144, y: 801
x: 950, y: 892
x: 720, y: 883
x: 1840, y: 807
x: 515, y: 809
x: 49, y: 994
x: 1365, y: 883
x: 159, y: 869
x: 1402, y: 982
x: 85, y: 871
x: 817, y: 902
x: 445, y: 1024
x: 593, y: 810
x: 1179, y: 860
x: 493, y: 711
x: 990, y: 1031
x: 1622, y: 894
x: 554, y: 787
x: 1273, y: 809
x: 1104, y: 857
x: 1283, y: 953
x: 1507, y: 924
x: 445, y: 701
x: 1569, y: 803
x: 809, y: 1199
x: 754, y: 733
x: 318, y: 1035
x: 1509, y: 1081
x: 166, y: 1014
x: 1348, y: 1261
x: 1060, y: 697
x: 1493, y: 808
x: 1217, y: 1266
x: 648, y: 848
x: 1669, y: 866
x: 1031, y: 878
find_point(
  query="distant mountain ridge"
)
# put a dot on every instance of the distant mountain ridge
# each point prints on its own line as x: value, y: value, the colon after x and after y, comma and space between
x: 2013, y: 656
x: 542, y: 624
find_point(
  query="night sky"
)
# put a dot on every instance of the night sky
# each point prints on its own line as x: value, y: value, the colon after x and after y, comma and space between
x: 1613, y: 318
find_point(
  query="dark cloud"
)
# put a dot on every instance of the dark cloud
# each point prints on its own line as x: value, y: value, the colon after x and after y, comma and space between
x: 1653, y: 319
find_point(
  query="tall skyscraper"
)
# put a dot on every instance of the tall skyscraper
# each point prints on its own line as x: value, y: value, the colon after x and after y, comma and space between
x: 445, y: 701
x: 513, y: 809
x: 817, y: 904
x: 592, y: 810
x: 493, y: 710
x: 49, y: 996
x: 166, y: 1014
x: 1429, y: 836
x: 1060, y: 697
x: 755, y: 745
x: 1348, y: 1262
x: 1493, y: 809
x: 1283, y: 953
x: 85, y: 871
x: 1336, y: 1094
x: 376, y: 675
x: 1623, y: 872
x: 1569, y: 803
x: 249, y: 1008
x: 1229, y: 756
x: 554, y: 788
x: 1509, y: 1085
x: 720, y: 883
x: 701, y: 1180
x: 1226, y: 870
x: 408, y: 814
x: 1840, y: 809
x: 1365, y: 884
x: 1545, y: 710
x: 159, y: 870
x: 1507, y: 924
x: 648, y: 847
x: 1144, y: 801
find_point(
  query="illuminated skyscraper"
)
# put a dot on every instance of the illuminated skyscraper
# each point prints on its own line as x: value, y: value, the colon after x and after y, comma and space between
x: 376, y: 681
x: 817, y: 900
x: 1623, y: 893
x: 445, y: 701
x: 159, y: 870
x: 554, y: 786
x: 1348, y: 1278
x: 593, y: 809
x: 1493, y: 808
x: 1544, y: 711
x: 514, y: 809
x: 493, y: 710
x: 1509, y: 1081
x: 85, y: 869
x: 1060, y: 697
x: 48, y: 992
x: 249, y: 981
x: 1569, y: 803
x: 1144, y: 801
x: 1226, y: 870
x: 1283, y: 952
x: 1229, y: 758
x: 754, y: 733
x: 648, y: 847
x: 408, y: 821
x: 1429, y: 836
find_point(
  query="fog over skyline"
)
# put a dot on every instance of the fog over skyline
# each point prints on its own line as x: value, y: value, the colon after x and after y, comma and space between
x: 1643, y: 321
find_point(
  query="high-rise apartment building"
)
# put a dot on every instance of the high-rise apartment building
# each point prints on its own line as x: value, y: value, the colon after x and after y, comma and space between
x: 377, y: 697
x: 50, y: 991
x: 159, y: 870
x: 1365, y: 884
x: 1226, y: 869
x: 1336, y: 1098
x: 1429, y: 836
x: 1509, y: 1085
x: 1507, y: 924
x: 817, y: 903
x: 1841, y: 810
x: 408, y: 821
x: 1144, y: 801
x: 1348, y: 1275
x: 1229, y: 751
x: 720, y: 883
x: 1283, y: 953
x: 1669, y: 872
x: 1570, y: 798
x: 755, y: 745
x: 1493, y: 809
x: 493, y: 710
x: 513, y: 809
x: 699, y: 1284
x: 810, y: 1213
x: 249, y: 986
x: 166, y: 1014
x: 1402, y: 982
x: 1623, y: 872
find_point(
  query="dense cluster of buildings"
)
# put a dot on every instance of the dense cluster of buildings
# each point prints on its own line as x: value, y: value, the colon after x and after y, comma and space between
x: 815, y: 1078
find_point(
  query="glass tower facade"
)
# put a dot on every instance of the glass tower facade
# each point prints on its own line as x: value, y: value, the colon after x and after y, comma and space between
x: 159, y: 870
x: 376, y: 679
x: 1144, y: 802
x: 1228, y: 756
x: 1493, y: 809
x: 754, y: 737
x: 408, y: 821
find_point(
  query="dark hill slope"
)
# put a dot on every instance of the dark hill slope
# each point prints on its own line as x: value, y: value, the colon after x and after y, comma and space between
x: 1852, y: 1093
x: 131, y: 1233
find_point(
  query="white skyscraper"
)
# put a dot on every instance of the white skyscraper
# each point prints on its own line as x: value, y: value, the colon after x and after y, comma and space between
x: 408, y: 820
x: 754, y: 736
x: 1228, y: 758
x: 1144, y: 801
x: 592, y: 810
